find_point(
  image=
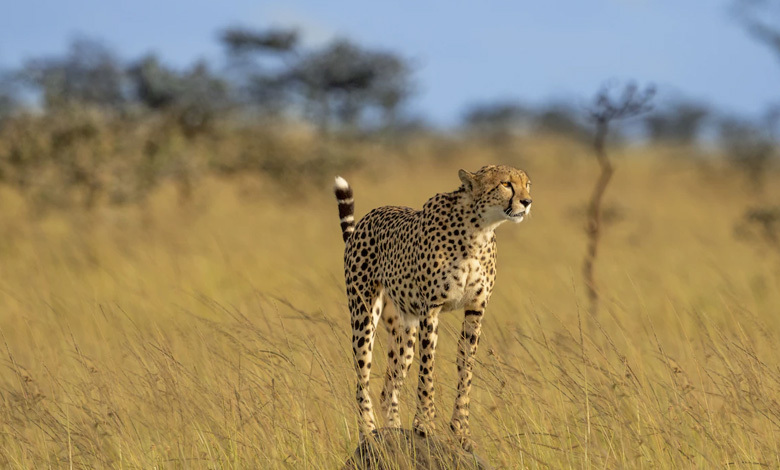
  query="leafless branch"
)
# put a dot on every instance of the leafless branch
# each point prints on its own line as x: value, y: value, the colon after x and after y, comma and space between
x: 605, y: 109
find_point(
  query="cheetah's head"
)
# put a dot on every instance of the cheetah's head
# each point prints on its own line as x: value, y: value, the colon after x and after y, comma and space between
x: 499, y: 192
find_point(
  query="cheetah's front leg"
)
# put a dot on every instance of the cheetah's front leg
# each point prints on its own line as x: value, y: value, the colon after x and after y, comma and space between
x: 467, y: 349
x: 426, y: 411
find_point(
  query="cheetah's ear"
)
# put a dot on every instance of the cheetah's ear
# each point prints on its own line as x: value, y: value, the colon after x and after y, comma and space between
x: 467, y: 179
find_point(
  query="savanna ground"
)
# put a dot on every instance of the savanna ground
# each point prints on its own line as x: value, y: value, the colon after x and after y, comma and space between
x: 215, y: 334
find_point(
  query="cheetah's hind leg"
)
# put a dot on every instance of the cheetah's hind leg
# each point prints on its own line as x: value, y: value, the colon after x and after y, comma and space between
x: 364, y: 323
x: 402, y: 335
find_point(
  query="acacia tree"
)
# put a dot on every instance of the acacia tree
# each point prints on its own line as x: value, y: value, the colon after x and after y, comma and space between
x: 195, y: 96
x: 342, y: 82
x: 607, y: 108
x: 260, y: 61
x: 89, y: 74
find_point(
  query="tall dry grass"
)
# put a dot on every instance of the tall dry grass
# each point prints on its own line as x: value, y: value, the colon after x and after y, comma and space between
x: 216, y: 334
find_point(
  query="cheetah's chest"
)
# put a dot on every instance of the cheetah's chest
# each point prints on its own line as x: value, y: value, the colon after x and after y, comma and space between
x: 467, y: 283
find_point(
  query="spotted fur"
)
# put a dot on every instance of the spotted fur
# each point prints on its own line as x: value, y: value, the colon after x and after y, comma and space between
x: 425, y: 262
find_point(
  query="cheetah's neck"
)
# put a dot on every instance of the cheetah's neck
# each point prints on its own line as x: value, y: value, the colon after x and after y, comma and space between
x: 475, y: 225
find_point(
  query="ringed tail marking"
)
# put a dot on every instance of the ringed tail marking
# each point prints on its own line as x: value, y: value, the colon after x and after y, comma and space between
x: 346, y: 206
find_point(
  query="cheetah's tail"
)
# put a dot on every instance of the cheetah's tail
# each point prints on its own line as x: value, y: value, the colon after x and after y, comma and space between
x: 346, y: 206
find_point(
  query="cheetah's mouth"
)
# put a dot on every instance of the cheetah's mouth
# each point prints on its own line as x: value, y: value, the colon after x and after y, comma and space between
x: 514, y: 216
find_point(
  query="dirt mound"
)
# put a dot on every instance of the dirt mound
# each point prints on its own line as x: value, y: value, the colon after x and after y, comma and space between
x: 402, y: 449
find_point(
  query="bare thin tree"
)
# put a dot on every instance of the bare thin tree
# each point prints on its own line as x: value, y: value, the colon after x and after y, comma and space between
x: 761, y: 18
x: 607, y: 108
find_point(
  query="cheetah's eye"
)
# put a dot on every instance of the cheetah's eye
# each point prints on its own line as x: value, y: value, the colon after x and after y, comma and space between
x: 506, y: 184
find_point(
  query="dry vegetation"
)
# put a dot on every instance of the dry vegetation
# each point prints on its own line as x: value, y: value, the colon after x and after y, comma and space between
x: 215, y: 334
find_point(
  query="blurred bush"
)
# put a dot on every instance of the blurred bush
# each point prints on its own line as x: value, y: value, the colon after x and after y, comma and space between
x: 499, y: 121
x: 87, y: 128
x: 680, y: 122
x: 749, y: 148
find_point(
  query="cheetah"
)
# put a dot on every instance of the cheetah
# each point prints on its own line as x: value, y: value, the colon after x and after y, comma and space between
x: 439, y: 259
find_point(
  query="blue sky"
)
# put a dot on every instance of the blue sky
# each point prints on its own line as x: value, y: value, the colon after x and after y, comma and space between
x: 464, y: 52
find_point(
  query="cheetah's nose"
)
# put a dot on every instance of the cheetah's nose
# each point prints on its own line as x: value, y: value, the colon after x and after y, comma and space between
x: 526, y: 202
